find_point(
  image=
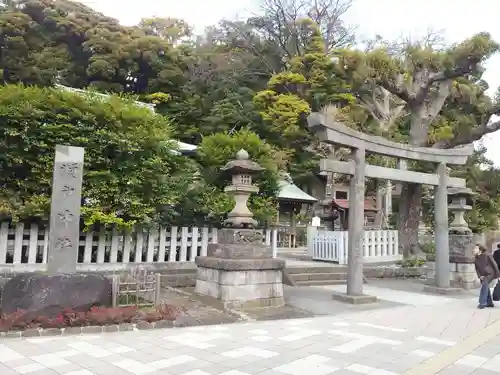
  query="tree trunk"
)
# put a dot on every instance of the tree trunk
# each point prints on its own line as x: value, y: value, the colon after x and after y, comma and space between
x: 410, y: 204
x: 410, y: 208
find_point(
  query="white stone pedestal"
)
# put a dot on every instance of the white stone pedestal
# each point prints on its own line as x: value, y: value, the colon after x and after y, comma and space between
x: 243, y: 288
x: 240, y: 271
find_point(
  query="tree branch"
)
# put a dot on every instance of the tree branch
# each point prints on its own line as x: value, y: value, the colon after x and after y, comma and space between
x: 474, y: 135
x: 397, y: 89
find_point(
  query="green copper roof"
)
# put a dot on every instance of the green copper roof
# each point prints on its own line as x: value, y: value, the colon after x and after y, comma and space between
x: 291, y: 192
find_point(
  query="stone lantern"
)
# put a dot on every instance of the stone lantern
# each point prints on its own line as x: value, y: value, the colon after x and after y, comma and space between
x: 241, y: 170
x: 460, y: 199
x: 239, y: 270
x: 461, y: 239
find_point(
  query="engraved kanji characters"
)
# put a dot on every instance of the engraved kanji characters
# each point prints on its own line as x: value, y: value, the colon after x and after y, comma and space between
x: 69, y: 169
x: 66, y: 217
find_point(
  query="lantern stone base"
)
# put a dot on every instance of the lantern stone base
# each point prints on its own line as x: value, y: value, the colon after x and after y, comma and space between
x: 240, y: 272
x: 462, y: 275
x: 462, y: 270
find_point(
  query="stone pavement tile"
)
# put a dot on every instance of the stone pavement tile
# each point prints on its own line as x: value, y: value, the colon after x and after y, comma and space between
x: 374, y: 362
x: 116, y: 358
x: 143, y: 356
x: 212, y: 357
x: 319, y: 347
x: 482, y: 371
x: 26, y: 369
x: 492, y: 364
x: 217, y: 369
x: 26, y: 348
x: 487, y: 350
x: 97, y: 366
x: 6, y: 370
x: 406, y: 362
x: 495, y: 340
x: 391, y: 354
x: 71, y: 367
x: 313, y: 364
x: 251, y: 368
x: 187, y: 367
x: 271, y: 372
x: 45, y: 371
x: 20, y: 362
x: 398, y: 367
x: 456, y: 370
x: 471, y: 360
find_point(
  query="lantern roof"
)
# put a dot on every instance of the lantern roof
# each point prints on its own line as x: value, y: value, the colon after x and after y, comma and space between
x: 465, y: 192
x: 242, y: 164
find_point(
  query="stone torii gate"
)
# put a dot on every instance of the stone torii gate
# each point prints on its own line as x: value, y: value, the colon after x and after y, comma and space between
x: 332, y: 132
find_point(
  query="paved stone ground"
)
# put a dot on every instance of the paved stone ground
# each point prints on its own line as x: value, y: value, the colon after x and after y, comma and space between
x: 195, y: 311
x: 431, y: 336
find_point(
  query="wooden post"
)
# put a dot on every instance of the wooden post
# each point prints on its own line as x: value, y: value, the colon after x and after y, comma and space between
x: 115, y: 289
x: 157, y: 289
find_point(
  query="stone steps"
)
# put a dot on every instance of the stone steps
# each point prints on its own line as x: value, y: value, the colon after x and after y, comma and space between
x: 299, y: 275
x: 320, y: 282
x: 294, y: 270
x: 317, y: 275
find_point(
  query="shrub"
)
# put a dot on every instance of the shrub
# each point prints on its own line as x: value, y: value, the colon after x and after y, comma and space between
x: 130, y: 169
x: 411, y: 263
x: 96, y: 316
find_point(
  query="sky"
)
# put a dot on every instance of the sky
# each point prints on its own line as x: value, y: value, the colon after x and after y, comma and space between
x: 459, y: 19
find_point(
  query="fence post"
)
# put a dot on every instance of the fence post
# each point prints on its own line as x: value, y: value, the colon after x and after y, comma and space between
x: 274, y: 242
x: 115, y: 289
x: 157, y: 289
x: 310, y: 234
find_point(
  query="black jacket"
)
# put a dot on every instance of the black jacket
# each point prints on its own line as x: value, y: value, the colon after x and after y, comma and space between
x: 496, y: 256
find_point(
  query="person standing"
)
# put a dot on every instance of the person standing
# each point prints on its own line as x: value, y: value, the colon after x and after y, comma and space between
x: 487, y: 270
x: 496, y: 255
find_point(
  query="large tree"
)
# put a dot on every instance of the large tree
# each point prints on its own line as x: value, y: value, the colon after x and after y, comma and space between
x: 440, y: 93
x: 43, y: 42
x: 311, y: 82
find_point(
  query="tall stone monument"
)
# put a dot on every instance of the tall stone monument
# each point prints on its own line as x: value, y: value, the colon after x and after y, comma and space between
x: 64, y: 229
x: 62, y: 288
x: 240, y: 270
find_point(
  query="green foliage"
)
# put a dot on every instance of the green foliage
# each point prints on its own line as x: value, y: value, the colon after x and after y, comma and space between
x: 265, y: 74
x: 129, y: 168
x: 46, y: 41
x: 484, y: 179
x: 311, y: 82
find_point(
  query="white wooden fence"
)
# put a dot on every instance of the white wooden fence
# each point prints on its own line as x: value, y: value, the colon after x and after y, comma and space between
x: 24, y: 247
x: 378, y: 246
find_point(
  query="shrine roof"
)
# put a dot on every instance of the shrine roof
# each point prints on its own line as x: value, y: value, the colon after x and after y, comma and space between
x: 291, y: 192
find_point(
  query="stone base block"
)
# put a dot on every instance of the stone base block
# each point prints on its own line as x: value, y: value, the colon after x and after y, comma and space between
x: 241, y: 283
x: 462, y: 275
x: 354, y: 300
x: 442, y: 291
